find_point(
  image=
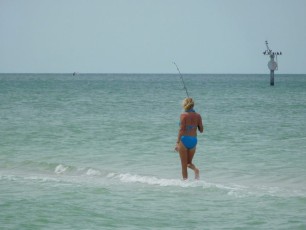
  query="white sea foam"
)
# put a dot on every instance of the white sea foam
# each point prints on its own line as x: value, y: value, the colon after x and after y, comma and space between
x: 60, y: 169
x: 235, y: 190
x: 93, y: 172
x: 152, y: 180
x: 42, y: 178
x: 8, y: 177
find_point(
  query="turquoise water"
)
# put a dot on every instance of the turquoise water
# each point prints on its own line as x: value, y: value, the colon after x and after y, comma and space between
x: 96, y: 152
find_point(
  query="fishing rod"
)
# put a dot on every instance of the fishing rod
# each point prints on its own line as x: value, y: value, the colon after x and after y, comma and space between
x: 181, y: 79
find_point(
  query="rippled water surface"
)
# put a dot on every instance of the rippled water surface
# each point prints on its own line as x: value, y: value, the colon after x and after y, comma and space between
x: 96, y: 152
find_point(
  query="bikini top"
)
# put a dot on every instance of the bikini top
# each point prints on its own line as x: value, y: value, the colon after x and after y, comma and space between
x: 189, y: 127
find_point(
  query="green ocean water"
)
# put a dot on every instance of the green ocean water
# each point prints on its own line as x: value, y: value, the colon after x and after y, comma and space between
x: 95, y: 151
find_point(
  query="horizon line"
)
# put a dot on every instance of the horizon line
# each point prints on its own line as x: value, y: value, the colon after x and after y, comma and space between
x: 129, y: 73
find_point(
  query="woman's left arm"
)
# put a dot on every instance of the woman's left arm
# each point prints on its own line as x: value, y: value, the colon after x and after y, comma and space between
x: 182, y: 128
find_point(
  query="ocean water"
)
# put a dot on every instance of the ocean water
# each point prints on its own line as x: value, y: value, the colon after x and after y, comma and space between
x: 95, y: 151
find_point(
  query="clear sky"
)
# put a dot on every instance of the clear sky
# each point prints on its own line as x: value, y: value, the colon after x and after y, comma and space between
x: 146, y: 36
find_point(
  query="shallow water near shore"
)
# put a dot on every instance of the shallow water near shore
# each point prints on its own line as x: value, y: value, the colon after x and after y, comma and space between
x: 95, y: 151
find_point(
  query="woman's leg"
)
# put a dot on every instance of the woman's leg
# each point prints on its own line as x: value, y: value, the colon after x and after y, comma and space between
x: 190, y: 154
x: 184, y: 160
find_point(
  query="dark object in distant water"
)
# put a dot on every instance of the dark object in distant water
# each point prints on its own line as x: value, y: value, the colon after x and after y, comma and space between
x: 75, y: 73
x: 272, y: 77
x: 272, y: 65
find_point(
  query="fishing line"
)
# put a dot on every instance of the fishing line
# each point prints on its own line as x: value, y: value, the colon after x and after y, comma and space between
x: 181, y: 79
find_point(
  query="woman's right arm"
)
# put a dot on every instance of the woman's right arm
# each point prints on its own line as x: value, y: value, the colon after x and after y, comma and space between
x: 200, y: 124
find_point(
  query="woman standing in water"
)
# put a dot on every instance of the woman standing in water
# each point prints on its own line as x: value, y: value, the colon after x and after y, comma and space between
x: 186, y: 143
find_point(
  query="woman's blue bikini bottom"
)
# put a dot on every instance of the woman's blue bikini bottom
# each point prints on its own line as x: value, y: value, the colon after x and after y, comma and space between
x: 189, y: 142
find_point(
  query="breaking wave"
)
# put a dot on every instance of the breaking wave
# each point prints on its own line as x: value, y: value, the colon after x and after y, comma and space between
x: 59, y: 173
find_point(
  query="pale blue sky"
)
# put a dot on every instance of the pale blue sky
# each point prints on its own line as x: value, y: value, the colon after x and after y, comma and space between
x: 146, y: 36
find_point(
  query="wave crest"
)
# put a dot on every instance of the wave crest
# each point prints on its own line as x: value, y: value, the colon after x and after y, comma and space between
x: 151, y: 180
x: 60, y: 169
x: 93, y: 172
